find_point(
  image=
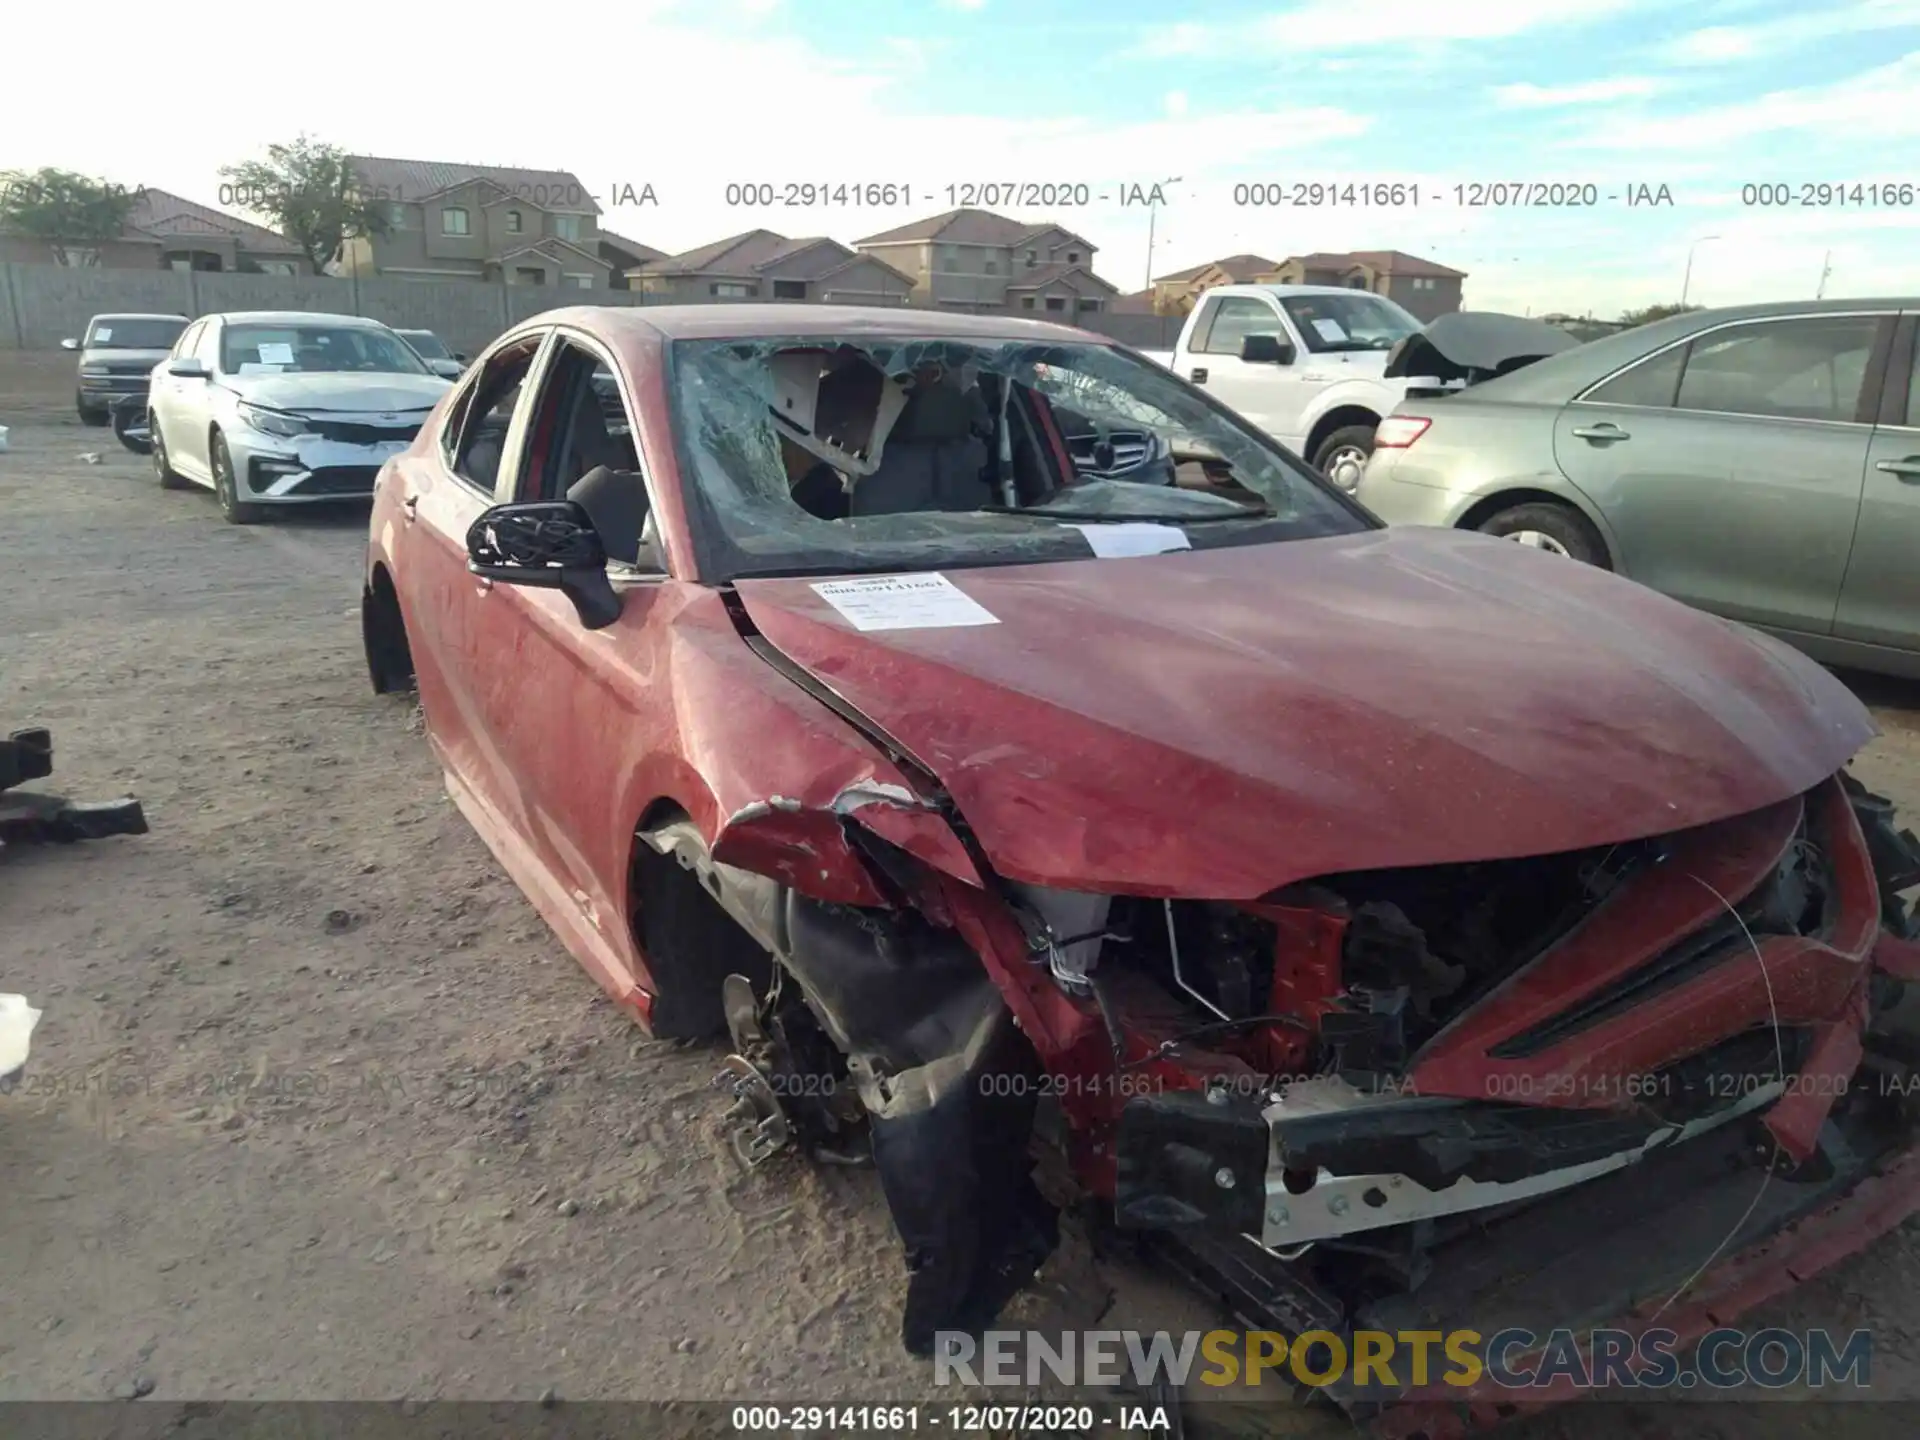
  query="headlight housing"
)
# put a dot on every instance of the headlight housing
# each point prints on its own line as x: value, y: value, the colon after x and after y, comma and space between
x: 273, y: 422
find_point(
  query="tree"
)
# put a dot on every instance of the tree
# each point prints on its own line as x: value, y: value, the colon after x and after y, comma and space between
x: 311, y: 193
x: 1631, y: 318
x: 66, y: 211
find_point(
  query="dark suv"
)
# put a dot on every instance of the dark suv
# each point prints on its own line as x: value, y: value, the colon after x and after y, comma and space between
x: 117, y: 353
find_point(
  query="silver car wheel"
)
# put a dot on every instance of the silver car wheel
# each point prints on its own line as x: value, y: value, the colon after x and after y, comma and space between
x: 1539, y: 540
x: 1345, y: 466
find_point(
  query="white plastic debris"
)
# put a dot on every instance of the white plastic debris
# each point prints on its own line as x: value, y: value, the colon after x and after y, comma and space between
x: 17, y: 1019
x: 92, y: 457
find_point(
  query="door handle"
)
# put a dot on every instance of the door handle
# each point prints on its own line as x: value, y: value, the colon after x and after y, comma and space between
x: 1199, y: 376
x: 1908, y: 469
x: 1603, y: 431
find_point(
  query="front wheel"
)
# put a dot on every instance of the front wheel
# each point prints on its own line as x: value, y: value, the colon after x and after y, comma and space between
x: 1342, y: 456
x: 170, y: 478
x: 236, y: 510
x: 1548, y: 525
x: 89, y: 414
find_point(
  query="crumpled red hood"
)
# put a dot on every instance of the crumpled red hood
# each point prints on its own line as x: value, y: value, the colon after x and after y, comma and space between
x: 1215, y: 724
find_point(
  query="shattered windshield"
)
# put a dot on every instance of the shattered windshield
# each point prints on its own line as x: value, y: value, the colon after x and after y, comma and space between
x: 830, y: 455
x: 1355, y: 321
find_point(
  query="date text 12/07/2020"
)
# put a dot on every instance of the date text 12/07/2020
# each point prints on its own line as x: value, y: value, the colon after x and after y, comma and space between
x: 1468, y: 194
x: 964, y: 194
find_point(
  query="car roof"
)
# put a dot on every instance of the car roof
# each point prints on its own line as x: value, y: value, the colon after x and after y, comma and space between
x: 411, y: 330
x: 744, y: 322
x: 1559, y: 377
x: 1279, y: 289
x: 136, y: 315
x: 292, y: 317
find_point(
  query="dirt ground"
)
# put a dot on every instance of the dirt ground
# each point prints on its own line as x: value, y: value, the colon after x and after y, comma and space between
x: 321, y: 1109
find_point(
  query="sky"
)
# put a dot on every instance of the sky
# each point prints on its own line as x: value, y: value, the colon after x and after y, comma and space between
x: 1710, y: 99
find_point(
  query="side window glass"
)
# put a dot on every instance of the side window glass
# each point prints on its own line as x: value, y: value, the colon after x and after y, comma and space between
x: 1806, y: 369
x: 208, y: 346
x: 1203, y: 327
x: 581, y: 448
x: 1651, y: 383
x: 581, y: 424
x: 189, y: 337
x: 489, y: 415
x: 1239, y: 317
x: 1913, y: 383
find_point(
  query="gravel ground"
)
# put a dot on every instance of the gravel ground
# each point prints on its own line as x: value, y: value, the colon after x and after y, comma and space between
x: 321, y: 1110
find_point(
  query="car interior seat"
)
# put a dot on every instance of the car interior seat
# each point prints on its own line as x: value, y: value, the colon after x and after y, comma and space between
x: 934, y: 459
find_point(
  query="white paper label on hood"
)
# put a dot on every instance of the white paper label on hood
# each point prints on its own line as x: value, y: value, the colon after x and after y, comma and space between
x: 276, y: 352
x: 249, y: 367
x: 1120, y: 540
x: 904, y: 602
x: 1330, y: 331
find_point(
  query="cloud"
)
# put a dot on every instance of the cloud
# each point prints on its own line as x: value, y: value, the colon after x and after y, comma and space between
x: 1724, y: 44
x: 1322, y: 25
x: 1527, y: 96
x: 768, y: 105
x: 1876, y: 105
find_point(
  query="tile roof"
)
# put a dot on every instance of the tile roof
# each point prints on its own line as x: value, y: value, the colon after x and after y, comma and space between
x: 407, y: 180
x: 761, y: 252
x: 1388, y: 262
x: 1043, y: 275
x: 162, y: 215
x: 633, y: 248
x: 1398, y: 262
x: 1239, y: 268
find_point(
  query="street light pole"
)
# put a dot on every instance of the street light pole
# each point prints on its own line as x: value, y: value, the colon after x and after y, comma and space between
x: 1153, y: 212
x: 1686, y: 281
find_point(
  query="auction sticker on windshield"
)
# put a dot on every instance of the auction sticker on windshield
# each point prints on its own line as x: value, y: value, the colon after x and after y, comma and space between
x: 904, y: 602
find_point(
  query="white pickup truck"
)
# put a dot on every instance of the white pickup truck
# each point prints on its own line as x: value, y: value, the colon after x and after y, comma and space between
x: 1304, y: 363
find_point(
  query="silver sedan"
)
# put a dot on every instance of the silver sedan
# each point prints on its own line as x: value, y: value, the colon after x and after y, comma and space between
x: 285, y: 408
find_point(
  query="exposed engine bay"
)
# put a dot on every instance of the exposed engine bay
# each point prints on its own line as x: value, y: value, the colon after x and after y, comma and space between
x: 1326, y: 1105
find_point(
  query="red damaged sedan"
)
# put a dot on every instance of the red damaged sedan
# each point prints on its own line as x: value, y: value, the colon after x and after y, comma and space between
x: 1399, y: 929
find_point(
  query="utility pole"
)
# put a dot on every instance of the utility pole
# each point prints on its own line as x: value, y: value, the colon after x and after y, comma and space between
x: 1686, y: 282
x: 1826, y: 269
x: 1153, y: 211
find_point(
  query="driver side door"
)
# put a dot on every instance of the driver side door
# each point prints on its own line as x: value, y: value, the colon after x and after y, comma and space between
x: 1260, y: 392
x: 452, y: 625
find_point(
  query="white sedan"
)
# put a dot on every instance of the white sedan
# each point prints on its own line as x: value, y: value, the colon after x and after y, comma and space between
x: 274, y: 408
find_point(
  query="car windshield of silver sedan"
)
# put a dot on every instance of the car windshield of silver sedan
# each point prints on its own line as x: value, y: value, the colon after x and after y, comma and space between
x: 1359, y: 321
x: 813, y: 454
x: 316, y: 349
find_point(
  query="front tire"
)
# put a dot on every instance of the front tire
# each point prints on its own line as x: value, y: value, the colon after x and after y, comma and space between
x: 170, y: 478
x: 1550, y: 526
x: 90, y: 415
x: 1342, y: 456
x: 236, y: 510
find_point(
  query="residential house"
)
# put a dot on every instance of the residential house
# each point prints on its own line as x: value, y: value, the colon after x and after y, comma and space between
x: 983, y: 263
x: 1174, y: 294
x: 1424, y: 288
x: 494, y: 223
x: 624, y: 255
x: 763, y: 265
x: 170, y: 232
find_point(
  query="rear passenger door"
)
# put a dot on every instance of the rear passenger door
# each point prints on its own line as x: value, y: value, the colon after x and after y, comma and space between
x: 1880, y: 601
x: 1730, y: 465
